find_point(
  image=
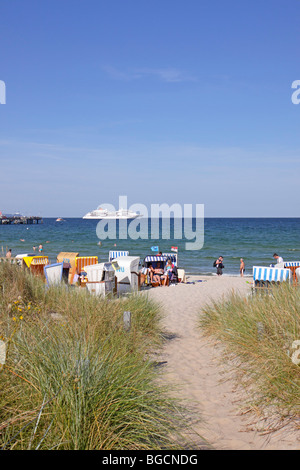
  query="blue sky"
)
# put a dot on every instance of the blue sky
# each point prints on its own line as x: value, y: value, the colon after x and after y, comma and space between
x: 165, y: 101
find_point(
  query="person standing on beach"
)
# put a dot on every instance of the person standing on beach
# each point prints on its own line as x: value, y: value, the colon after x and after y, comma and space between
x: 242, y: 267
x: 219, y: 265
x: 278, y: 258
x: 8, y: 254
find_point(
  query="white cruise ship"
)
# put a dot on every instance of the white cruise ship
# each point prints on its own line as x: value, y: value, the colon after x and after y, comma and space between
x: 105, y: 214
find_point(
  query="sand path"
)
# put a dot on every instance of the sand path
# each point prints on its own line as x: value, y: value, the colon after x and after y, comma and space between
x: 193, y: 362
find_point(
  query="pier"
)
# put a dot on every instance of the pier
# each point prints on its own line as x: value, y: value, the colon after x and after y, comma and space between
x: 20, y: 219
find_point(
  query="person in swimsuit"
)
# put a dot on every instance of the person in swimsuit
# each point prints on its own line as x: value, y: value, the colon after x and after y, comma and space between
x: 158, y: 272
x: 242, y: 267
x: 154, y: 277
x: 168, y: 271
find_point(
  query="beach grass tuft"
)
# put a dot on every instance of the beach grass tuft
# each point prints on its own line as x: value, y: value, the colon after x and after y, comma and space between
x: 74, y: 378
x: 261, y: 335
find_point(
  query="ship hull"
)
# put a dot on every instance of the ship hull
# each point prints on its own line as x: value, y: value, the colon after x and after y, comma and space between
x: 109, y: 217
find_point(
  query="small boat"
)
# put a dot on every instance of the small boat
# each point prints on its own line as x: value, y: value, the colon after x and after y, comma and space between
x: 111, y: 215
x: 59, y: 219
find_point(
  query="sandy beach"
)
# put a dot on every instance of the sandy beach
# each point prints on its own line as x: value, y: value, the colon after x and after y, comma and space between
x: 192, y: 365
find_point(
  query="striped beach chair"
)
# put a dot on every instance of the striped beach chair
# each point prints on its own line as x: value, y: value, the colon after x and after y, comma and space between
x: 264, y: 277
x: 153, y: 259
x: 150, y: 259
x: 293, y: 266
x: 82, y: 261
x: 173, y: 257
x: 117, y: 254
x: 288, y: 264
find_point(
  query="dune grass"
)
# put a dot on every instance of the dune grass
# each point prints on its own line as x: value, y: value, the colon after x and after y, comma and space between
x: 260, y: 335
x: 73, y: 377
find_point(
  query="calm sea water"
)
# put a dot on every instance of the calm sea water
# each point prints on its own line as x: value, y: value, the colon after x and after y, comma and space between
x: 253, y: 239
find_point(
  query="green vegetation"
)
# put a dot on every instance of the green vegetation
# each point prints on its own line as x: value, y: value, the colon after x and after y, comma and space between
x: 73, y: 377
x: 259, y: 334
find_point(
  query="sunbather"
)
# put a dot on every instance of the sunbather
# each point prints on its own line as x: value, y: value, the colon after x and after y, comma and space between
x: 154, y: 277
x: 158, y: 272
x: 168, y: 272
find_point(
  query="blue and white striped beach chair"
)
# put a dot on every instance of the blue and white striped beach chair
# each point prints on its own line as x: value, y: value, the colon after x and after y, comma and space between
x: 117, y: 254
x: 264, y: 277
x: 289, y: 264
x: 293, y: 266
x: 150, y: 259
x: 154, y: 259
x: 173, y: 257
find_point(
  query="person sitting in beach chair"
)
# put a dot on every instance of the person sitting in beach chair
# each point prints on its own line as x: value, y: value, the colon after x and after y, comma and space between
x: 155, y: 273
x: 168, y: 272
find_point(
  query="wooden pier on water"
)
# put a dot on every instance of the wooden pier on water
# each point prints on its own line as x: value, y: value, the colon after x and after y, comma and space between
x: 17, y: 220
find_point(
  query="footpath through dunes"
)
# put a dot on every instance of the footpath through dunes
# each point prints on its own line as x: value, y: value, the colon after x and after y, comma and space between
x: 192, y: 364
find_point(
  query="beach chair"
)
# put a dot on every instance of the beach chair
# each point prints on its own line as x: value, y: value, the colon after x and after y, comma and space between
x: 150, y: 259
x: 127, y: 273
x: 70, y: 258
x: 82, y: 261
x: 153, y: 260
x: 101, y: 279
x: 9, y: 260
x: 293, y: 266
x: 116, y: 254
x: 173, y: 257
x: 53, y: 273
x: 264, y: 278
x: 35, y: 264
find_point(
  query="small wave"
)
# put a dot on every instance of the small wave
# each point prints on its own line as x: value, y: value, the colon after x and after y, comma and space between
x: 215, y: 274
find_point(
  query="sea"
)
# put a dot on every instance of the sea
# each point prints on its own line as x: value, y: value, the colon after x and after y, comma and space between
x: 253, y: 239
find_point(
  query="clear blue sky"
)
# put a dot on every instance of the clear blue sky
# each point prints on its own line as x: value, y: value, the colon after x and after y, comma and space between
x: 164, y: 101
